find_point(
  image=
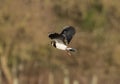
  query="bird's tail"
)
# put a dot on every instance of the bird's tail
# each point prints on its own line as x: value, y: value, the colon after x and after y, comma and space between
x: 71, y: 49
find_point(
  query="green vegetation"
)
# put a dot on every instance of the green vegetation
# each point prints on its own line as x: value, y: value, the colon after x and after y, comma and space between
x: 89, y: 19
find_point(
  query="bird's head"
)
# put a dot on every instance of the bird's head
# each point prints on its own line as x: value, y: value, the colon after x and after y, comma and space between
x: 53, y: 43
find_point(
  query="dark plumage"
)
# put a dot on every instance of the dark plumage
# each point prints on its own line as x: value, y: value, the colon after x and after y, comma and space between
x: 66, y: 35
x: 60, y: 40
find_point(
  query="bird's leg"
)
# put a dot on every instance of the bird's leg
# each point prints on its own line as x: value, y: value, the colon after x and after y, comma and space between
x: 68, y: 53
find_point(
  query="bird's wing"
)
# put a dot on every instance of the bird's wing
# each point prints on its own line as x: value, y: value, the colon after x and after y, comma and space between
x: 57, y: 37
x: 54, y: 35
x: 68, y: 33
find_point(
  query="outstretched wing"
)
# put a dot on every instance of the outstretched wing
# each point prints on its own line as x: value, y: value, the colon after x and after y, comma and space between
x: 56, y: 36
x: 68, y: 33
x: 53, y: 35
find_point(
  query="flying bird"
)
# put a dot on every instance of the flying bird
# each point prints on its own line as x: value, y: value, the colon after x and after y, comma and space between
x: 61, y: 40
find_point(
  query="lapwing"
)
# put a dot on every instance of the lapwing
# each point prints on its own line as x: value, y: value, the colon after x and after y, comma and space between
x: 61, y: 40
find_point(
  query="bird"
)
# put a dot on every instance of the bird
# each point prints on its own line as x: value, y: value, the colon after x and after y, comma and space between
x: 61, y: 40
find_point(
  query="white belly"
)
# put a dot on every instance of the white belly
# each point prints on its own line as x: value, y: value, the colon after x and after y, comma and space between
x: 61, y: 46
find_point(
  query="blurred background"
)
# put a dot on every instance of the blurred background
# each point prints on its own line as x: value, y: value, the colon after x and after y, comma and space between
x: 26, y: 56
